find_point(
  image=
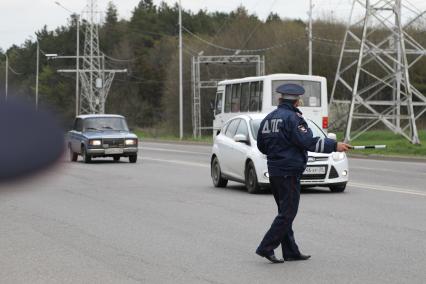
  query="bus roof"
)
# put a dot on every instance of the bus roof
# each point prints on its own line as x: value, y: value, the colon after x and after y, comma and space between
x: 273, y: 77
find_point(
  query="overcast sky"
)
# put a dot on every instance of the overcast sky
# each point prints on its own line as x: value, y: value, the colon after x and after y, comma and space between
x: 19, y: 19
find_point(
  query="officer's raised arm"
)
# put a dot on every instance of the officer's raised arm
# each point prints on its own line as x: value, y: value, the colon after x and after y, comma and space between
x: 302, y: 136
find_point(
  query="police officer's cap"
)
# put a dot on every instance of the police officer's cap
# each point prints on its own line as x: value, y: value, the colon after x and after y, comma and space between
x: 291, y: 91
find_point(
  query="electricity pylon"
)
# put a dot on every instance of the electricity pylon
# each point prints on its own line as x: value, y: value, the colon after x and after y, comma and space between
x: 372, y: 83
x: 95, y: 79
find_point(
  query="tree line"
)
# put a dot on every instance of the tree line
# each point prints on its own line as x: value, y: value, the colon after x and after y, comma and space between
x: 147, y: 46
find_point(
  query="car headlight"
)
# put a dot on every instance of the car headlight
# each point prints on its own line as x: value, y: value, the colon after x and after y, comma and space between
x: 95, y: 142
x: 131, y: 142
x: 338, y: 156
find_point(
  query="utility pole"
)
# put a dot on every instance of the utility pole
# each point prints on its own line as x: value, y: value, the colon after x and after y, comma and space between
x: 37, y: 72
x: 180, y: 74
x: 77, y: 64
x: 311, y: 7
x: 7, y: 76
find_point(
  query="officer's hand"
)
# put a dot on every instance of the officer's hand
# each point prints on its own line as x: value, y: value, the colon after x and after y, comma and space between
x: 343, y: 147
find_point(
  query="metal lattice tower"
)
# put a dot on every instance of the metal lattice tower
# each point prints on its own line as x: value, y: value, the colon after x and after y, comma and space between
x: 95, y: 80
x: 372, y: 83
x: 256, y: 60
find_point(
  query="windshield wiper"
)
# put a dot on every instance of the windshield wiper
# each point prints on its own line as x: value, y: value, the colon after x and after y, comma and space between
x: 92, y: 128
x: 108, y: 127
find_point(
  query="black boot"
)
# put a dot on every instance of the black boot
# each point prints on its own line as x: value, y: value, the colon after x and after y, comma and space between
x: 270, y: 256
x: 297, y: 257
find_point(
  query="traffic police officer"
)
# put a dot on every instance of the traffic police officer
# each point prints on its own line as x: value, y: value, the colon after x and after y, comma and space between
x: 285, y: 138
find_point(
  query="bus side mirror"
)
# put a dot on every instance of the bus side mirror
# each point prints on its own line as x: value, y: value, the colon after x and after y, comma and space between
x: 212, y: 108
x: 332, y: 136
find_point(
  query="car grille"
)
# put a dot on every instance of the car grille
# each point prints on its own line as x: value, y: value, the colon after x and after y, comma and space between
x: 317, y: 159
x: 333, y: 173
x: 113, y: 143
x: 315, y: 177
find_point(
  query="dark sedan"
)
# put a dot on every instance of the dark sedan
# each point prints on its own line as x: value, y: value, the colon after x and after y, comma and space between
x: 99, y: 136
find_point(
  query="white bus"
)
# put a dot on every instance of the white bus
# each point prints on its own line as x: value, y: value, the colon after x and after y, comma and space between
x: 257, y: 94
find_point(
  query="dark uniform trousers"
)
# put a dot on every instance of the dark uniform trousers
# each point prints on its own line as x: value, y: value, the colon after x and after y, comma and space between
x: 286, y: 191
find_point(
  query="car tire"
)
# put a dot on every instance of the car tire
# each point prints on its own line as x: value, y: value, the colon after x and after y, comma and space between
x: 116, y: 159
x: 338, y: 188
x: 86, y: 157
x: 133, y: 159
x: 216, y: 174
x: 73, y: 155
x: 252, y: 184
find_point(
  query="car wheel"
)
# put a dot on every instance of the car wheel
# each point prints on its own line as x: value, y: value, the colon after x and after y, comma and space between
x: 251, y: 179
x: 73, y: 156
x: 133, y: 159
x: 216, y: 173
x: 86, y: 157
x: 117, y: 158
x: 338, y: 188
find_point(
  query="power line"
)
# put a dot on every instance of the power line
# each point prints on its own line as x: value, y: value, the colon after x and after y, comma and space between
x: 284, y: 44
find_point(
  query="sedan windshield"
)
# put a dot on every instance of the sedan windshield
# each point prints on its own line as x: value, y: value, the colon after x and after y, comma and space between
x: 105, y: 123
x: 317, y: 132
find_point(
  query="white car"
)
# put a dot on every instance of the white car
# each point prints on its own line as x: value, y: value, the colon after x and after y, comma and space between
x: 235, y: 157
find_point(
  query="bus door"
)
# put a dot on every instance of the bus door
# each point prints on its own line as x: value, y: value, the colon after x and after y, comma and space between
x: 219, y: 120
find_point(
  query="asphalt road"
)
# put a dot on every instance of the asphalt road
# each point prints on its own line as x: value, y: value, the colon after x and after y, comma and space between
x: 161, y: 221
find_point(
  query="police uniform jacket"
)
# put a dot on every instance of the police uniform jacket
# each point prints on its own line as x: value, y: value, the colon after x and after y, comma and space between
x: 284, y: 136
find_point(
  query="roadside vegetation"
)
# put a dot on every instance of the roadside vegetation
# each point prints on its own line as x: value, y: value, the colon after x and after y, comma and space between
x: 396, y: 145
x: 146, y: 45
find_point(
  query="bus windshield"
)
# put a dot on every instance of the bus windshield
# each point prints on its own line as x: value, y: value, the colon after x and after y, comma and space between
x: 311, y: 98
x: 316, y: 131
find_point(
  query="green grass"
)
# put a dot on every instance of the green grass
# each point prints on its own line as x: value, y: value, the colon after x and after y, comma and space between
x: 397, y: 145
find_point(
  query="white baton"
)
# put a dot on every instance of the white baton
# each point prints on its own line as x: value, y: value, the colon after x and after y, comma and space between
x: 368, y: 147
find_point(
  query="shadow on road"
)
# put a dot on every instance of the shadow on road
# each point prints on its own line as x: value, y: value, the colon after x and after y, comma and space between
x: 267, y: 191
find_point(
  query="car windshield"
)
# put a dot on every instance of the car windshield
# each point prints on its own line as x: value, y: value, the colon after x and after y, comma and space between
x: 317, y: 132
x: 105, y: 123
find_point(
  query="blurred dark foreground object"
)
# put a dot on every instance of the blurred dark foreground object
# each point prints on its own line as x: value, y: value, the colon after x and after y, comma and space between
x: 30, y: 140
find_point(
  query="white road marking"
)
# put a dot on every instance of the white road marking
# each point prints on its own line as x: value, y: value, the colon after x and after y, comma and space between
x: 387, y: 189
x: 352, y: 184
x: 177, y: 162
x: 173, y: 151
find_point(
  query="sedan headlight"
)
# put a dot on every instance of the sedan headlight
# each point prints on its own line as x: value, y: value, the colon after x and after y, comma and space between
x: 338, y: 156
x: 95, y: 142
x: 131, y: 142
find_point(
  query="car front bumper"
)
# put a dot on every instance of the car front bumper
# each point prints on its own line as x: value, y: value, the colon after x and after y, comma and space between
x: 101, y: 152
x: 337, y: 173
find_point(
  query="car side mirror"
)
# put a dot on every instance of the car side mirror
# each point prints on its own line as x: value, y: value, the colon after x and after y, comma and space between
x: 241, y: 138
x: 332, y: 136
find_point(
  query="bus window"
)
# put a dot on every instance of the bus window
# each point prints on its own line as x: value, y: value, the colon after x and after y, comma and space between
x: 218, y: 104
x: 228, y: 96
x: 245, y: 97
x: 311, y: 98
x: 236, y: 96
x: 255, y: 96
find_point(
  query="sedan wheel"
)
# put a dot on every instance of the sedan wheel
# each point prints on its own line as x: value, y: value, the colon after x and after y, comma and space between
x: 133, y: 159
x: 73, y: 156
x: 251, y: 179
x: 216, y: 173
x: 86, y: 157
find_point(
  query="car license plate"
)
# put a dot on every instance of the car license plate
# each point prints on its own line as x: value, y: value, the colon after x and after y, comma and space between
x: 314, y: 171
x: 114, y: 151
